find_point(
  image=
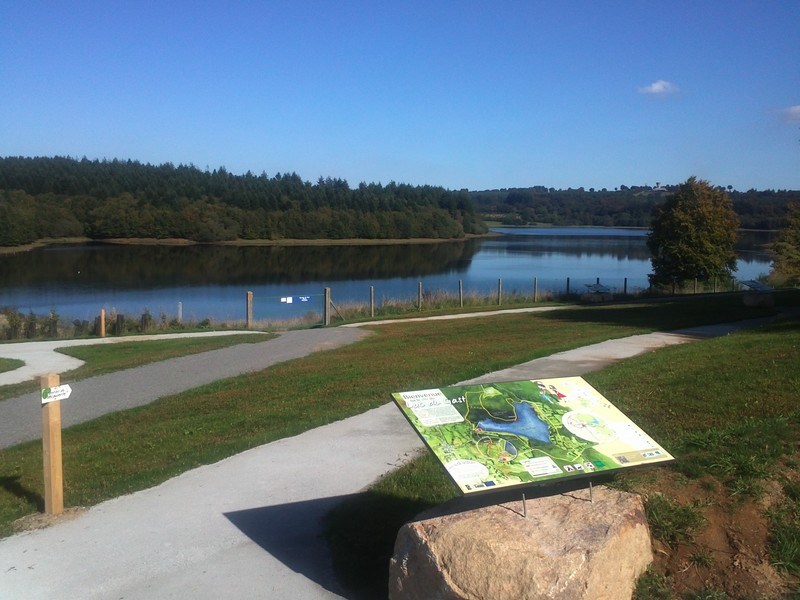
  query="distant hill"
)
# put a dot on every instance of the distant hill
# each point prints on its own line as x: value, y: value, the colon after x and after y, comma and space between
x: 64, y: 197
x: 623, y: 207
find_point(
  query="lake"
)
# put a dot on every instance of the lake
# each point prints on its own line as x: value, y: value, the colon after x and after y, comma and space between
x: 288, y: 281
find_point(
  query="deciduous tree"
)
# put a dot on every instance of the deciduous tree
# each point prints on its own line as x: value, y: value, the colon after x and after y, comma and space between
x: 693, y: 234
x: 786, y: 251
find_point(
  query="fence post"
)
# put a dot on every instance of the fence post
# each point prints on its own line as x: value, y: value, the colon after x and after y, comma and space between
x: 535, y: 289
x: 715, y: 284
x: 372, y: 301
x: 102, y: 322
x: 695, y: 285
x: 180, y: 312
x: 419, y: 296
x: 461, y: 293
x: 625, y: 287
x: 499, y: 291
x: 326, y: 307
x: 51, y: 450
x: 249, y: 313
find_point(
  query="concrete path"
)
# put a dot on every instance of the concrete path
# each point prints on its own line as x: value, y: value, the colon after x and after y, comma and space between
x: 20, y: 418
x: 41, y: 358
x: 248, y: 526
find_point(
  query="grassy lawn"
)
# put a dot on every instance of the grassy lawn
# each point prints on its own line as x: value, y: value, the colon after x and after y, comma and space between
x: 727, y: 408
x: 105, y: 358
x: 135, y: 449
x: 9, y: 364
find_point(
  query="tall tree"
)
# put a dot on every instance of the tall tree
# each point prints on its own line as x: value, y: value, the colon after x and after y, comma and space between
x: 693, y: 234
x: 786, y: 251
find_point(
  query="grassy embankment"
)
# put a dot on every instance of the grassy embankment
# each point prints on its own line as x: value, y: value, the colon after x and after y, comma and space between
x: 135, y: 449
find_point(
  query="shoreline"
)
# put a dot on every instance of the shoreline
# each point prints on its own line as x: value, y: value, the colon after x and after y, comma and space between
x: 262, y: 242
x: 5, y: 250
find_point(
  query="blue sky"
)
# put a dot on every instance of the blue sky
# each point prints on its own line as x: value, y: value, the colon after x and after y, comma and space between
x: 469, y: 94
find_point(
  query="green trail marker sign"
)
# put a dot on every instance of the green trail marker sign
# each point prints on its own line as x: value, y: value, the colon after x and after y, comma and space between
x: 504, y: 435
x: 56, y: 393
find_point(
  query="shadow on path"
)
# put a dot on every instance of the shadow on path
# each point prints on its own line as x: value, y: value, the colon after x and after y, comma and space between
x: 291, y: 533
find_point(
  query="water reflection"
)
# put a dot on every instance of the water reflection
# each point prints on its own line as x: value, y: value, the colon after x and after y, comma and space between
x: 97, y: 266
x: 211, y: 280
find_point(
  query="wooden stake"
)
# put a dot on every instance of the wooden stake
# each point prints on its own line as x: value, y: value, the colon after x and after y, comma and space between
x: 249, y: 310
x: 51, y: 450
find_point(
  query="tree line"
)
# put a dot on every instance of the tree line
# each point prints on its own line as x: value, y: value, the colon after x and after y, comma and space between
x: 623, y: 207
x: 64, y: 197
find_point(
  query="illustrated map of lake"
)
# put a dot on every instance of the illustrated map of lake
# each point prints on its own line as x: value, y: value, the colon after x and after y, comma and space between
x: 494, y: 436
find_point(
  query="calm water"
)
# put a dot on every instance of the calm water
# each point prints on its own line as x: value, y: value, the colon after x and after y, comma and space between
x: 211, y: 281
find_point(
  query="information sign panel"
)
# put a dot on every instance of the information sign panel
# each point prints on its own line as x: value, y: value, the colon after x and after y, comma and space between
x: 502, y: 435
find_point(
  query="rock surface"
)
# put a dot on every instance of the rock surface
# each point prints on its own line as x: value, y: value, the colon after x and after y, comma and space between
x: 566, y: 547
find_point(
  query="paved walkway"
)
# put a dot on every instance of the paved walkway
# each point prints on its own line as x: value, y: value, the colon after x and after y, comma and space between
x: 20, y: 418
x: 248, y: 526
x: 41, y: 358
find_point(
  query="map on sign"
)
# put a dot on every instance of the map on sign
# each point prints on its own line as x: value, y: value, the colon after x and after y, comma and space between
x: 493, y: 436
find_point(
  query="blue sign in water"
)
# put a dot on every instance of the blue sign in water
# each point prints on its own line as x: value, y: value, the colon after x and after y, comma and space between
x: 211, y: 281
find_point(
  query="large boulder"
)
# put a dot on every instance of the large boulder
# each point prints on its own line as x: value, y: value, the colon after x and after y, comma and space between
x: 564, y: 547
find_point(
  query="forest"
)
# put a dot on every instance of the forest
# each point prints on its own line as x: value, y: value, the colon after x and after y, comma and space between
x: 60, y: 197
x: 623, y: 207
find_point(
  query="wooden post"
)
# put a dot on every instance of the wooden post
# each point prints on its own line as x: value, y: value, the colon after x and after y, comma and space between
x: 625, y: 287
x: 51, y: 450
x: 419, y: 295
x: 180, y: 312
x: 461, y: 293
x: 535, y: 289
x: 715, y: 284
x: 326, y: 307
x: 695, y: 285
x: 102, y: 322
x: 249, y: 313
x: 499, y: 291
x: 372, y: 301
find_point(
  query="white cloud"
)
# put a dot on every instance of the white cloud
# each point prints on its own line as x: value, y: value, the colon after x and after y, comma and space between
x: 791, y: 114
x: 659, y: 88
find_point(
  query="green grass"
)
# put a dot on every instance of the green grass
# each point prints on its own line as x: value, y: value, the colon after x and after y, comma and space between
x: 9, y: 364
x: 131, y: 450
x: 705, y: 401
x: 671, y: 522
x: 652, y: 586
x: 785, y: 521
x: 106, y: 358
